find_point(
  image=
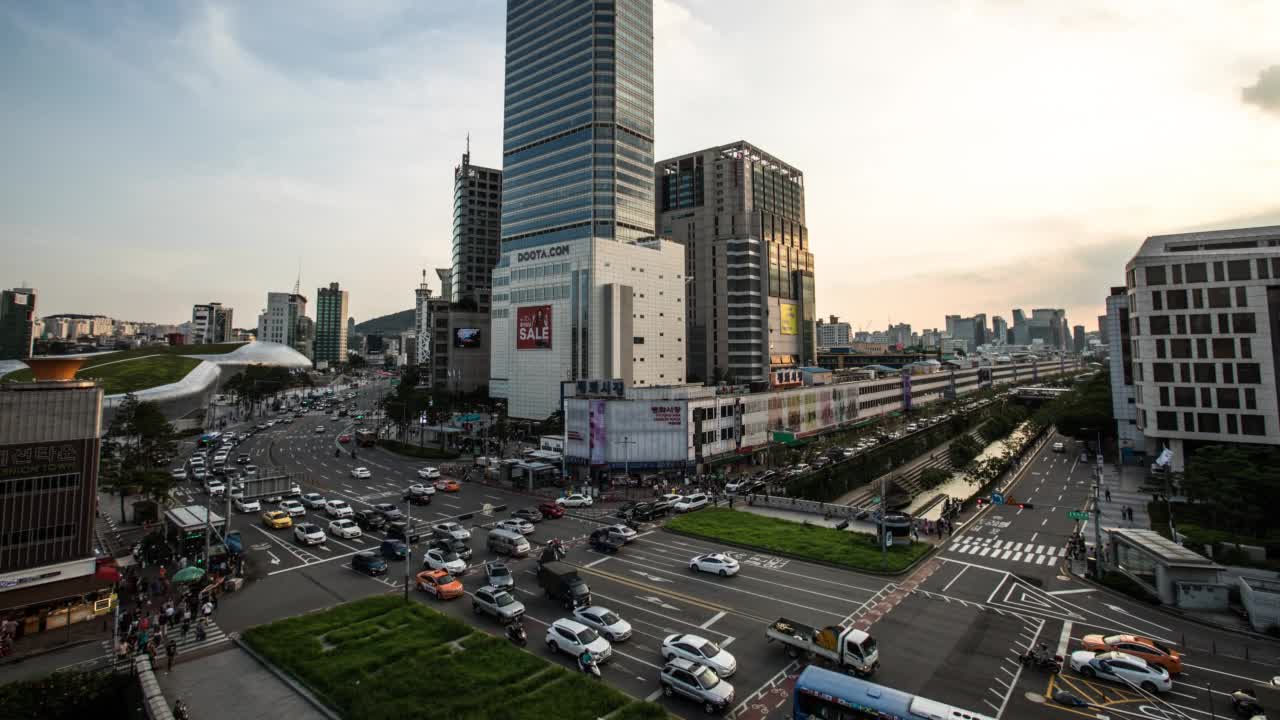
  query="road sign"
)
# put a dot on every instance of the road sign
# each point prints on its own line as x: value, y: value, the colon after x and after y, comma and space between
x: 997, y: 499
x: 1078, y: 515
x: 784, y: 436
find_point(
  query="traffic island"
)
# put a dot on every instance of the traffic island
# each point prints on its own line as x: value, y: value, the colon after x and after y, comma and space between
x: 384, y: 658
x: 841, y: 548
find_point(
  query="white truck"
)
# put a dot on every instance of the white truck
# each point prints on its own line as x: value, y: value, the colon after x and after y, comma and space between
x: 849, y: 648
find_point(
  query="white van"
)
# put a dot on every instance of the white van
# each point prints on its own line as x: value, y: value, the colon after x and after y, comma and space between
x: 508, y: 542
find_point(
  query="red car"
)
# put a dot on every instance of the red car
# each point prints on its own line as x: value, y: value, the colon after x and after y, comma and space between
x: 344, y: 438
x: 550, y: 510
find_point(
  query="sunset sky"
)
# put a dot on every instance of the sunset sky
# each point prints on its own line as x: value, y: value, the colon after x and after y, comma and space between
x: 959, y: 157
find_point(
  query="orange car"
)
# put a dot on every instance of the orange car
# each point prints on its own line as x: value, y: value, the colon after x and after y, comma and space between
x: 439, y: 583
x: 1145, y: 648
x: 448, y: 485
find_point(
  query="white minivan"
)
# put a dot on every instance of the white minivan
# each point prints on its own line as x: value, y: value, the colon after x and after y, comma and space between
x: 689, y: 503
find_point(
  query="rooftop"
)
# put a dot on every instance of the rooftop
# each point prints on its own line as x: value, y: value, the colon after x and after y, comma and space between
x: 1162, y: 547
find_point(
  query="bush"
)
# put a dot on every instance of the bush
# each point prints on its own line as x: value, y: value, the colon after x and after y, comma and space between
x: 73, y: 696
x: 933, y: 477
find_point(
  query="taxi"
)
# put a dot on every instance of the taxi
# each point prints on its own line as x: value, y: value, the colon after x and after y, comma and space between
x: 277, y: 520
x: 448, y: 485
x: 1153, y: 652
x: 439, y: 583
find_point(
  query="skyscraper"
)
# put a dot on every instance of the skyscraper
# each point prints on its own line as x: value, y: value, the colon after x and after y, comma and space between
x: 739, y: 212
x: 331, y: 325
x: 17, y: 323
x: 583, y: 289
x: 210, y: 323
x: 999, y: 330
x: 285, y: 321
x: 477, y: 204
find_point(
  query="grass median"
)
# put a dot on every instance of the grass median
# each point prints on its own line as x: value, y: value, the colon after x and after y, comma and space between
x: 856, y: 551
x: 384, y: 658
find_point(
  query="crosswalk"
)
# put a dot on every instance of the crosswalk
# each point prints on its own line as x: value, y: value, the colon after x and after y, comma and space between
x: 993, y: 549
x: 213, y: 636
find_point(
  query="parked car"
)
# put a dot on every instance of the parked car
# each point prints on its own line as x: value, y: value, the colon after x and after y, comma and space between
x: 574, y: 500
x: 497, y: 602
x: 308, y: 534
x: 696, y: 648
x: 572, y: 638
x: 400, y: 530
x: 451, y: 530
x: 715, y: 563
x: 698, y: 683
x: 453, y: 545
x: 604, y: 621
x: 393, y: 549
x: 345, y: 528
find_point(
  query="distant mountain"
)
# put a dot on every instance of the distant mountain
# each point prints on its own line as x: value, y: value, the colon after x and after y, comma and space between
x: 392, y: 324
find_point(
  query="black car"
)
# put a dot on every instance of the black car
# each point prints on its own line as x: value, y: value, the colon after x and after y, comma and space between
x: 417, y: 498
x: 369, y: 563
x: 369, y: 519
x: 601, y: 541
x: 530, y: 513
x: 399, y: 530
x: 642, y: 511
x: 389, y: 511
x: 453, y: 545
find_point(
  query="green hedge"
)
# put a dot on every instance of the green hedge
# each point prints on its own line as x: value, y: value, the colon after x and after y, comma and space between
x: 857, y: 551
x: 71, y: 695
x: 384, y: 658
x: 427, y: 452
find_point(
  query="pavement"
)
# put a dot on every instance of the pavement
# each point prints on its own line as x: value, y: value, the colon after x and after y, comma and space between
x: 231, y: 684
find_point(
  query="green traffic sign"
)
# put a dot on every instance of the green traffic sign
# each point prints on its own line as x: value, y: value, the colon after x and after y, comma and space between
x: 1078, y: 515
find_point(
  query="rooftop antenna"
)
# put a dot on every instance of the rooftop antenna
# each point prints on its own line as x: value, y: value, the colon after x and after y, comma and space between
x: 466, y: 157
x: 297, y: 284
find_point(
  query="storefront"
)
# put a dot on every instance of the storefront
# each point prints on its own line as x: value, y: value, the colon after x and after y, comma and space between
x: 40, y: 603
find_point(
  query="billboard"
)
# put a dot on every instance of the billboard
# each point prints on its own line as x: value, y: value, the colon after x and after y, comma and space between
x: 533, y: 327
x: 789, y: 320
x: 466, y: 337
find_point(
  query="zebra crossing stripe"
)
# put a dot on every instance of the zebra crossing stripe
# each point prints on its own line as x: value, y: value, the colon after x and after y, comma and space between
x: 1006, y: 554
x: 984, y: 552
x: 1017, y: 547
x: 1017, y: 557
x: 1044, y: 559
x: 971, y: 549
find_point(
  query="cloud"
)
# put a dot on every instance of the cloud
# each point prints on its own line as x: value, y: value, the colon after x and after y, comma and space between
x: 1266, y: 92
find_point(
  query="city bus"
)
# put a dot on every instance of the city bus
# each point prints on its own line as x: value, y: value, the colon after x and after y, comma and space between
x: 366, y: 438
x: 825, y: 695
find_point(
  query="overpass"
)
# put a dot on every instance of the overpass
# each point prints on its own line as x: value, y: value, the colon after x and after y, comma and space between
x: 1037, y: 393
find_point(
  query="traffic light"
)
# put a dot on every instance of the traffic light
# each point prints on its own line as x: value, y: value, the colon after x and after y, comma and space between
x: 980, y: 501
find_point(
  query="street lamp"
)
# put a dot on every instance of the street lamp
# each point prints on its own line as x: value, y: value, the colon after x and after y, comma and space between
x: 408, y: 545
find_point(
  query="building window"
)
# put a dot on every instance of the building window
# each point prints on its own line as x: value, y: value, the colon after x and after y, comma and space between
x: 1218, y: 274
x: 1201, y: 324
x: 1206, y: 373
x: 1156, y: 302
x: 1159, y: 324
x: 1178, y: 348
x: 1176, y: 299
x: 1184, y: 397
x: 1155, y: 275
x: 1228, y: 398
x: 1202, y: 348
x: 1196, y: 272
x: 1249, y: 373
x: 1232, y: 425
x: 1243, y: 323
x: 1164, y: 396
x: 1228, y: 373
x: 1219, y: 297
x: 1160, y: 349
x: 1162, y: 372
x: 1224, y: 348
x: 1263, y: 274
x: 1253, y: 425
x: 1238, y: 270
x: 1250, y: 399
x: 1197, y: 298
x: 1166, y: 420
x: 1177, y: 274
x: 1246, y: 348
x: 1242, y: 297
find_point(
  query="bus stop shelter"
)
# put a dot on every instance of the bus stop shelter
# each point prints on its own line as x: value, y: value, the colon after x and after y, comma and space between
x: 1178, y: 576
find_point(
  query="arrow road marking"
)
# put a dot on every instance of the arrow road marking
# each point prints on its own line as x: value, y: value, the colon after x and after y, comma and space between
x: 650, y: 578
x: 1122, y: 611
x: 274, y: 560
x: 656, y: 601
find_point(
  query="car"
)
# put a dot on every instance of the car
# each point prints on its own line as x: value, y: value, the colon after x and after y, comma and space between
x: 622, y: 533
x: 696, y: 682
x: 1059, y: 447
x: 178, y: 473
x: 524, y: 527
x: 448, y: 485
x: 696, y: 648
x: 499, y: 576
x: 251, y: 470
x: 247, y: 506
x: 295, y: 490
x: 439, y: 583
x: 1154, y: 652
x: 242, y: 459
x: 314, y: 501
x: 737, y: 486
x: 574, y: 500
x: 529, y: 514
x: 345, y: 528
x: 389, y: 511
x: 604, y: 621
x: 428, y: 473
x: 453, y: 545
x: 235, y: 491
x: 550, y: 510
x: 437, y: 559
x: 1121, y: 668
x: 601, y: 541
x: 292, y: 508
x: 338, y: 509
x: 361, y: 473
x: 715, y: 563
x: 666, y: 502
x: 417, y: 498
x: 423, y: 489
x: 319, y: 428
x: 276, y: 520
x: 394, y: 549
x: 641, y: 511
x: 400, y: 529
x: 335, y: 418
x: 369, y: 519
x: 497, y: 602
x: 451, y: 530
x: 308, y: 534
x: 344, y: 438
x: 369, y: 563
x: 215, y: 488
x: 689, y: 503
x: 572, y: 638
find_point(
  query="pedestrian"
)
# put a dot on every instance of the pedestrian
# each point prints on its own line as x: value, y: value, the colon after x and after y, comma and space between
x: 170, y: 651
x: 200, y: 631
x: 1108, y: 494
x: 207, y: 609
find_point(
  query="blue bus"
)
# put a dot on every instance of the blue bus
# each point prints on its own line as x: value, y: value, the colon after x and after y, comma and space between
x: 824, y: 695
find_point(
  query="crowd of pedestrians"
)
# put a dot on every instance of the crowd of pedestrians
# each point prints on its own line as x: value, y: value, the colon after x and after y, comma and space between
x: 155, y: 613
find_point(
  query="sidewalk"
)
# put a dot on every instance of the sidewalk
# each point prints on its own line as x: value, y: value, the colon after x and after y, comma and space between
x: 866, y: 527
x: 1125, y: 486
x: 232, y: 684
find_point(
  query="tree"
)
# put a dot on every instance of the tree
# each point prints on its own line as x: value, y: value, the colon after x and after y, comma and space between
x: 933, y: 477
x: 1085, y: 411
x: 139, y: 439
x: 963, y: 450
x: 1238, y: 485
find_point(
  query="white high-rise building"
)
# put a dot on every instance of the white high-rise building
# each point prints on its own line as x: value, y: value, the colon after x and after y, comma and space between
x: 285, y: 321
x: 210, y: 323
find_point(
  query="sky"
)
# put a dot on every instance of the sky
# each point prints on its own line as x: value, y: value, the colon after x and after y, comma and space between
x: 959, y: 157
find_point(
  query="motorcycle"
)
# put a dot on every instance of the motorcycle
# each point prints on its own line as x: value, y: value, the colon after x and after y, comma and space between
x: 1040, y: 659
x: 180, y: 711
x: 1245, y: 704
x: 517, y: 635
x: 589, y: 665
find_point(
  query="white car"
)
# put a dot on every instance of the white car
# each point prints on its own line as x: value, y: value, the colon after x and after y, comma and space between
x: 715, y: 563
x: 319, y: 428
x: 345, y: 528
x: 524, y: 527
x: 361, y: 473
x: 251, y: 470
x: 451, y: 530
x: 338, y: 509
x: 428, y: 473
x: 574, y: 500
x: 622, y: 533
x: 245, y: 506
x: 314, y: 501
x: 604, y: 621
x: 436, y: 559
x: 215, y: 487
x: 572, y: 637
x: 422, y: 489
x: 1121, y: 668
x: 689, y: 503
x: 295, y: 490
x: 293, y: 508
x: 178, y: 473
x: 308, y: 534
x: 1059, y: 447
x: 700, y: 650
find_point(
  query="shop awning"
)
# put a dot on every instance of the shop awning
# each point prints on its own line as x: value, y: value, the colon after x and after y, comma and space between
x: 75, y: 588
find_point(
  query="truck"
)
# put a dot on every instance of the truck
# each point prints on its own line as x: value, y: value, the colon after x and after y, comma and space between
x: 563, y: 584
x: 366, y: 438
x: 849, y: 648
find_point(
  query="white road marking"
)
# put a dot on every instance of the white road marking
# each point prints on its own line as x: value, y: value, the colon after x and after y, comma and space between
x: 712, y: 621
x: 1033, y: 538
x: 1071, y: 592
x: 1064, y: 638
x: 594, y: 563
x: 954, y: 579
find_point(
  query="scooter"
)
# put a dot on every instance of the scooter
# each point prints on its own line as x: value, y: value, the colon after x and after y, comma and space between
x: 517, y: 635
x: 1040, y: 659
x: 590, y: 667
x: 1245, y: 704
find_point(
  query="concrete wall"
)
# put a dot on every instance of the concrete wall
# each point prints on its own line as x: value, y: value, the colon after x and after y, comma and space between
x: 1262, y: 600
x: 1202, y: 596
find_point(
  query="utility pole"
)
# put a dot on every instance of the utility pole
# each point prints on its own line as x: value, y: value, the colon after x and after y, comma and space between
x: 1097, y: 524
x: 884, y: 544
x: 408, y: 545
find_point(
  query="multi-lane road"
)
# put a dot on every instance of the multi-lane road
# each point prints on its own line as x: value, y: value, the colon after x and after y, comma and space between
x: 950, y: 630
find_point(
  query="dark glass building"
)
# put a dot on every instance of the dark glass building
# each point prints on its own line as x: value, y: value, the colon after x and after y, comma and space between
x: 477, y: 203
